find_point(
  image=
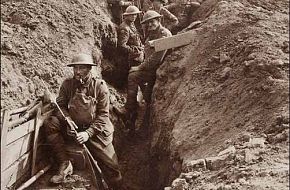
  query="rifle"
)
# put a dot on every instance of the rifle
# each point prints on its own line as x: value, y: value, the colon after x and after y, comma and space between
x: 73, y: 128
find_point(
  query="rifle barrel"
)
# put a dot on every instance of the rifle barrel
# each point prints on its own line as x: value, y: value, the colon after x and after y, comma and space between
x: 74, y: 127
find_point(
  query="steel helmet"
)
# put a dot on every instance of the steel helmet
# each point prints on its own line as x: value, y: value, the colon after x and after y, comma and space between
x: 82, y: 59
x: 162, y: 1
x: 150, y: 15
x: 132, y: 10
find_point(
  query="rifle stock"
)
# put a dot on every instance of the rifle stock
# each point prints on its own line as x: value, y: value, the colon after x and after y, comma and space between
x: 73, y: 127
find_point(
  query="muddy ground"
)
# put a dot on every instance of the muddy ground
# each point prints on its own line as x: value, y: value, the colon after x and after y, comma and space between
x: 228, y: 90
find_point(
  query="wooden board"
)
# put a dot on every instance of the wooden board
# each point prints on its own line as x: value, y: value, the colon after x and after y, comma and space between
x: 16, y: 171
x: 19, y: 110
x: 17, y: 152
x: 38, y: 123
x: 173, y: 41
x: 4, y: 131
x: 20, y: 131
x: 16, y: 149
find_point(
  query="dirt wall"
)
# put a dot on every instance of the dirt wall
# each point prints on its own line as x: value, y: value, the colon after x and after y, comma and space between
x: 38, y: 38
x: 232, y: 79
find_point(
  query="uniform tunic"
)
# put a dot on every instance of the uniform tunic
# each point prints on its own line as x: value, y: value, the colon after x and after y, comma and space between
x: 131, y: 50
x: 130, y: 43
x: 147, y: 70
x: 100, y: 130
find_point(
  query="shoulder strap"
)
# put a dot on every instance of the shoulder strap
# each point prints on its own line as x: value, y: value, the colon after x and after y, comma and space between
x: 98, y: 82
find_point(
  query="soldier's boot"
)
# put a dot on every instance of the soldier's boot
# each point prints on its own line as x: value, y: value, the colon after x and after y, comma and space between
x: 65, y: 169
x: 65, y: 166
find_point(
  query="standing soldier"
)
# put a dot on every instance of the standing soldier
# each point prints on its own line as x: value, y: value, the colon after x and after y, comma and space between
x: 145, y: 72
x: 129, y: 42
x: 84, y: 100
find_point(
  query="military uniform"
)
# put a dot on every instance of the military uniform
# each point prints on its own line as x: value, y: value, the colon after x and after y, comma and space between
x: 147, y: 70
x: 131, y: 49
x: 130, y: 43
x: 168, y: 20
x: 100, y: 129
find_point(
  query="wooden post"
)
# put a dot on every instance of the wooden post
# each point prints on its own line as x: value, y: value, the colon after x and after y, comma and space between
x: 34, y: 178
x: 37, y: 125
x: 4, y: 131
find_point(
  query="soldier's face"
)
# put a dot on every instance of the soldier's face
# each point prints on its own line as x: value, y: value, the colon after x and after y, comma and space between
x: 81, y: 71
x: 131, y: 18
x: 153, y: 24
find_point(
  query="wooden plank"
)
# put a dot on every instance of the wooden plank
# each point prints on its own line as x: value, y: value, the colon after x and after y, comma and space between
x: 16, y: 149
x: 2, y: 113
x: 20, y: 131
x: 16, y: 122
x: 34, y: 178
x: 4, y: 131
x: 16, y: 171
x: 18, y: 110
x: 173, y: 41
x: 38, y: 123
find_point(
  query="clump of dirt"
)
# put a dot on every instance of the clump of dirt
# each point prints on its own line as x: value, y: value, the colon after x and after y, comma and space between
x: 232, y: 79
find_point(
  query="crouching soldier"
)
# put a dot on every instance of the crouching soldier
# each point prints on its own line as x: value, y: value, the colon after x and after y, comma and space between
x: 84, y: 100
x: 146, y: 71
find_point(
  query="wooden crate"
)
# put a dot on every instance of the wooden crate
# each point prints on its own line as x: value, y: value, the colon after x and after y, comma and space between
x: 17, y: 142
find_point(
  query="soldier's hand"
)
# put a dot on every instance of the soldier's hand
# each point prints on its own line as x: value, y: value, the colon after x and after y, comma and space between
x: 137, y: 49
x: 82, y: 137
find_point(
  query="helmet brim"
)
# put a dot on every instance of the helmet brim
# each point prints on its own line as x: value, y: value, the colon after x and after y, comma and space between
x: 157, y: 16
x: 134, y: 13
x: 80, y: 63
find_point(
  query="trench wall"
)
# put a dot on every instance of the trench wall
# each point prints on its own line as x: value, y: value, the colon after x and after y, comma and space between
x: 231, y: 79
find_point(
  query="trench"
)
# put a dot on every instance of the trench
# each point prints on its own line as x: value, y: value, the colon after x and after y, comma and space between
x: 134, y: 156
x: 180, y: 126
x: 145, y: 164
x: 143, y: 167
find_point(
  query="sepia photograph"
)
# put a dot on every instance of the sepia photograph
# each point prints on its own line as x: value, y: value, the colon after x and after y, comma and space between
x: 144, y: 94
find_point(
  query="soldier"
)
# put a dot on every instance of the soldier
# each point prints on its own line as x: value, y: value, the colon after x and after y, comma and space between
x: 169, y: 20
x: 145, y: 72
x: 129, y: 42
x: 84, y: 100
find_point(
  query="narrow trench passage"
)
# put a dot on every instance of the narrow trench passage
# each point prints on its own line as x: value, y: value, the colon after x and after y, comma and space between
x: 134, y: 158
